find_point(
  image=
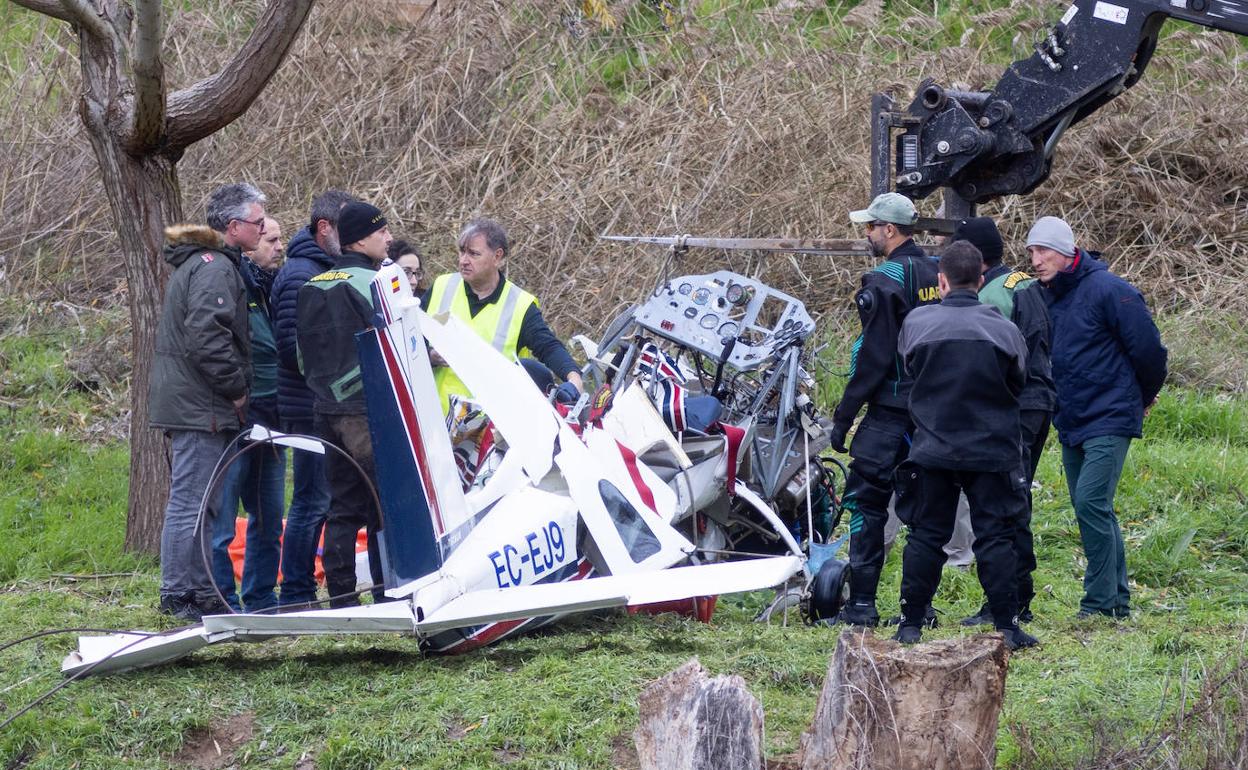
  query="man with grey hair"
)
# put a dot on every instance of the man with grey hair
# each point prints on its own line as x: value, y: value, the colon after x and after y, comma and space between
x: 200, y: 379
x: 1108, y: 365
x: 500, y: 312
x: 312, y: 251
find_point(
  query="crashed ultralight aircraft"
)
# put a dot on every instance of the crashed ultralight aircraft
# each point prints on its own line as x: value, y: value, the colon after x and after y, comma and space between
x: 564, y: 520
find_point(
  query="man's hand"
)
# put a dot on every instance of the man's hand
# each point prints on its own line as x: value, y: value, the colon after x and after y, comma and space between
x: 567, y: 393
x: 1149, y: 406
x: 836, y: 436
x: 240, y: 409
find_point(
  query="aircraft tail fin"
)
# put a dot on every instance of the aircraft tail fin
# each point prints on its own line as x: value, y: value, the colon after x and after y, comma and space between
x: 417, y: 482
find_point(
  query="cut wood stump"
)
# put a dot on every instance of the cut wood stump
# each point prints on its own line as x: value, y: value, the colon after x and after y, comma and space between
x: 689, y: 721
x: 933, y: 706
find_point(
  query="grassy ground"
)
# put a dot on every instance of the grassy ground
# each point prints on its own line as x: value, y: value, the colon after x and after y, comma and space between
x: 567, y: 698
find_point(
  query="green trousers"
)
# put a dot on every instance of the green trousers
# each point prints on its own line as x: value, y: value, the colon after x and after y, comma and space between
x: 1092, y: 472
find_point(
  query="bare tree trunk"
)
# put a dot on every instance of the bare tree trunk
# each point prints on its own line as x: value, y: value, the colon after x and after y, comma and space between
x: 143, y: 194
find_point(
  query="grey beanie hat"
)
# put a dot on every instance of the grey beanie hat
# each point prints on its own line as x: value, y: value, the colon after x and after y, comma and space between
x: 1052, y: 233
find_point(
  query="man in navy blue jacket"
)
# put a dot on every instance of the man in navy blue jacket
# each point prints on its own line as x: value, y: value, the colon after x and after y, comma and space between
x: 1108, y: 364
x: 310, y: 252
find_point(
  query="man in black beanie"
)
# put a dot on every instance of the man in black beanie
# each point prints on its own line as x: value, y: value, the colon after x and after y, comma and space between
x: 1017, y: 296
x: 333, y: 307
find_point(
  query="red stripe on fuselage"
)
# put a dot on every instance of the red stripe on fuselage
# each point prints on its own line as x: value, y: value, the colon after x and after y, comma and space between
x: 630, y: 462
x: 408, y: 410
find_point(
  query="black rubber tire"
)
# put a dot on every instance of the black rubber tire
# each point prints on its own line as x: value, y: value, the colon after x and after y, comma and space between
x: 827, y: 591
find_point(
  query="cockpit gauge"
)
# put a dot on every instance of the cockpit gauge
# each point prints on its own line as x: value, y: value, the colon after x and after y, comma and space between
x: 701, y: 296
x: 685, y: 288
x: 708, y: 321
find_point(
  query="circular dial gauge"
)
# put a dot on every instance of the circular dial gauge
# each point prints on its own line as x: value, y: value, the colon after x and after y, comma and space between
x: 708, y: 321
x: 701, y: 296
x: 685, y: 288
x: 729, y: 329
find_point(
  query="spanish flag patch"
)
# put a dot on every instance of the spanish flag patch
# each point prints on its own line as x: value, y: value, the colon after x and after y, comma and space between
x: 394, y: 283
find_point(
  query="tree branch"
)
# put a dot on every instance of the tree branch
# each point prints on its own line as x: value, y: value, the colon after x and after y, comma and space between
x: 46, y: 7
x: 148, y: 126
x: 215, y: 102
x: 82, y: 14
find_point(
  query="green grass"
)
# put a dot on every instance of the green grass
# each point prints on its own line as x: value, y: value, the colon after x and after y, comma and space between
x: 567, y: 698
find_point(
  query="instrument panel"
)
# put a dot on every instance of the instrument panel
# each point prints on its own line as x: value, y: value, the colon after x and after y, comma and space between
x: 701, y: 312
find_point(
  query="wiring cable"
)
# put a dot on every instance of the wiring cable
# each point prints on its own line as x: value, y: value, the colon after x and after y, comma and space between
x: 223, y: 465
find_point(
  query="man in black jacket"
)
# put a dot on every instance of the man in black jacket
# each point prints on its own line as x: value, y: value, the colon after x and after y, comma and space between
x: 312, y: 251
x: 904, y: 281
x: 969, y: 366
x: 201, y: 375
x: 1018, y: 297
x: 333, y: 307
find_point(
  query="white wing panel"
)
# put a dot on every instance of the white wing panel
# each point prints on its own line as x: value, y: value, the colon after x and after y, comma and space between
x: 645, y: 588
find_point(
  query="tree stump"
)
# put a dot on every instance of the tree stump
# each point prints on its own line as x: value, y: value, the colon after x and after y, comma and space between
x: 691, y: 722
x: 933, y: 706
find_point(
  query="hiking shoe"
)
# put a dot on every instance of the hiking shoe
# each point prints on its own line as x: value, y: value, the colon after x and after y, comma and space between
x: 180, y: 606
x: 908, y: 634
x: 859, y: 614
x: 929, y: 619
x: 1016, y: 638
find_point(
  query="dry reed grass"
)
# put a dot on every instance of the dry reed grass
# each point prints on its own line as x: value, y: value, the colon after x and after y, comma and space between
x: 745, y: 127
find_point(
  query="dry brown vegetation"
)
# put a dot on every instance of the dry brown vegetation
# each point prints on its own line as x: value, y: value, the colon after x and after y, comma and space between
x: 740, y: 125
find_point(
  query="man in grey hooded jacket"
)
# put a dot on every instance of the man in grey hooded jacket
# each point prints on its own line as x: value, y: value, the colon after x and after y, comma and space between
x: 200, y: 378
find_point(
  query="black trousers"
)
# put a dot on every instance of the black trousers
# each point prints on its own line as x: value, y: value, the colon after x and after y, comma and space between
x: 880, y: 444
x: 927, y: 500
x: 351, y: 506
x: 1035, y: 424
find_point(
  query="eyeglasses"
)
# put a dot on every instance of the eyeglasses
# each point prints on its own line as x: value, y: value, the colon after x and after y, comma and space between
x: 258, y: 222
x: 873, y: 225
x: 413, y: 272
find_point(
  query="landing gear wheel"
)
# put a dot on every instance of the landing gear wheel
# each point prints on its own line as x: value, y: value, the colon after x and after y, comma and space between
x: 828, y: 591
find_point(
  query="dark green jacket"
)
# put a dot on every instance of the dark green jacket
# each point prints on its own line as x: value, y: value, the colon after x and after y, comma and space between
x: 203, y: 345
x: 332, y: 308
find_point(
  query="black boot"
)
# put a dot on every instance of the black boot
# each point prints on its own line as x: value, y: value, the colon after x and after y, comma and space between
x: 908, y: 634
x: 859, y: 613
x: 929, y: 619
x: 180, y: 606
x: 1016, y: 638
x: 981, y: 618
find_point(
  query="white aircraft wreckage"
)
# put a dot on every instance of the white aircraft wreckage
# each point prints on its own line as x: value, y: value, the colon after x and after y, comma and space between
x: 666, y: 484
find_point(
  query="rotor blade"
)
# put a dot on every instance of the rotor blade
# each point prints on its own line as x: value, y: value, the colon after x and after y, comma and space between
x: 831, y: 247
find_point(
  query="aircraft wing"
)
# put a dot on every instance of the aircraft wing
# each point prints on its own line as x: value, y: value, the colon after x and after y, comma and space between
x: 124, y: 651
x: 611, y: 591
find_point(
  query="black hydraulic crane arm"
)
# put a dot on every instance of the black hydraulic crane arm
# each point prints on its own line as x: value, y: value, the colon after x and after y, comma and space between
x: 980, y: 145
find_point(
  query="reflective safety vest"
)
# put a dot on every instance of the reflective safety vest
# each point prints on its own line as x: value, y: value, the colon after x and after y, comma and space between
x: 498, y: 323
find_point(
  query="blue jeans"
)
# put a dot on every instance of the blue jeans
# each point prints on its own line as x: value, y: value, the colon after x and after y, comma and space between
x: 257, y: 478
x: 182, y: 568
x: 308, y: 505
x: 1092, y: 472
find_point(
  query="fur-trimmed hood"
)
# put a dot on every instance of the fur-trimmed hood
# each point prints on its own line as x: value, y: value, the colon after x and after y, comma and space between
x: 181, y: 241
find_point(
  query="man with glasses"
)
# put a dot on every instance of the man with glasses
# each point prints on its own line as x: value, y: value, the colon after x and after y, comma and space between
x: 201, y: 375
x: 906, y: 279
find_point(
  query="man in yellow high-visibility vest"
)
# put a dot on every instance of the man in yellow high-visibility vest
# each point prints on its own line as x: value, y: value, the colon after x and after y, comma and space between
x: 500, y: 312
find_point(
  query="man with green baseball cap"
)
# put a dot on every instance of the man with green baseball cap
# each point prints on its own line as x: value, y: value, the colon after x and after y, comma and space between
x: 906, y: 279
